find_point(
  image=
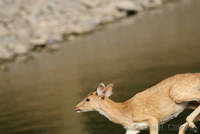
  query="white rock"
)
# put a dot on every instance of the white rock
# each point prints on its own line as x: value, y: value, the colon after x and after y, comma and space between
x: 5, y: 54
x: 20, y: 49
x: 127, y: 5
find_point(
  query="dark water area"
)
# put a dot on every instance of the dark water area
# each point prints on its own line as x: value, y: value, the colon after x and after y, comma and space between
x: 38, y: 97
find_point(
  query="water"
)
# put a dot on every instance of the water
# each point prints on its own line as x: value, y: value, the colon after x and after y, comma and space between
x: 38, y: 97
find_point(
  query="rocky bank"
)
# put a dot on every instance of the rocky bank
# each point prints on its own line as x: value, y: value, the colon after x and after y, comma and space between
x: 28, y: 24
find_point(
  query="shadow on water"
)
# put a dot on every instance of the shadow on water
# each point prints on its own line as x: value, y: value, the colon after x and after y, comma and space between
x: 38, y: 97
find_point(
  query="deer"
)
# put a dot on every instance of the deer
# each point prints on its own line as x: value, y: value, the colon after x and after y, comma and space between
x: 151, y: 107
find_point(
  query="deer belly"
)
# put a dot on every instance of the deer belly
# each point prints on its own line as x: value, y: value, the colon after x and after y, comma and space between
x: 173, y: 114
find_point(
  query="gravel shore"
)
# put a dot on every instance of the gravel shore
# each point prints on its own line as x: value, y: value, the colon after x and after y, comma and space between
x: 28, y: 24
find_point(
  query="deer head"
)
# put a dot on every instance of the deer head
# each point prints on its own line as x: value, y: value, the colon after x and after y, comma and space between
x: 93, y: 100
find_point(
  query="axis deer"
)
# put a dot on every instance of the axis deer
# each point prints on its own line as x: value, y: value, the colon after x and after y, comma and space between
x: 149, y: 108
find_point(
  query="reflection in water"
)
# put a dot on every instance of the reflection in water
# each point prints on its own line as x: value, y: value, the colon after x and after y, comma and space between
x: 39, y: 96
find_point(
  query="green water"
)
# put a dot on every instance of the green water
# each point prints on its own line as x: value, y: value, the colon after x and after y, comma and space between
x: 38, y: 97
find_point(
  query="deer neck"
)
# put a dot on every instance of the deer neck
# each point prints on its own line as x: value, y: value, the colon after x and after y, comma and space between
x: 116, y: 112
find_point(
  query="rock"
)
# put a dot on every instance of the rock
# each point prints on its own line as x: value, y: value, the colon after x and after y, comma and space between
x: 91, y: 3
x: 71, y: 37
x: 26, y: 24
x: 150, y: 3
x: 20, y: 49
x: 127, y: 5
x: 5, y: 54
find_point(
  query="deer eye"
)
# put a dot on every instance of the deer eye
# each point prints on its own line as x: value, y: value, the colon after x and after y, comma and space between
x: 87, y: 100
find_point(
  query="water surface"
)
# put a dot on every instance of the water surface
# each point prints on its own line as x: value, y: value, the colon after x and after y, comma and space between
x: 38, y: 97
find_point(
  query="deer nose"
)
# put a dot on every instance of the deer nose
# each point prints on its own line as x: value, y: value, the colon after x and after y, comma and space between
x: 76, y: 109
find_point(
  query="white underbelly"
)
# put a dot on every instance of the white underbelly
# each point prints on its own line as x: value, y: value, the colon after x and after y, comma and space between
x: 139, y: 125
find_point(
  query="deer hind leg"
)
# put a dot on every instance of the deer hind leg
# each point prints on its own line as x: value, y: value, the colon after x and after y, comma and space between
x: 187, y: 91
x: 187, y: 97
x: 191, y: 118
x: 185, y: 126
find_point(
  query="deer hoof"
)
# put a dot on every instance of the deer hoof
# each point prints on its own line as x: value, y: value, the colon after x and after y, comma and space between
x: 183, y: 128
x: 195, y: 129
x: 192, y: 126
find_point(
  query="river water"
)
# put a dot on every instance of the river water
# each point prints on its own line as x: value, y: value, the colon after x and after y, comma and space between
x: 38, y: 97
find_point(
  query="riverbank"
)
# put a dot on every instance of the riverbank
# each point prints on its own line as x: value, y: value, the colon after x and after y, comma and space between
x: 28, y: 25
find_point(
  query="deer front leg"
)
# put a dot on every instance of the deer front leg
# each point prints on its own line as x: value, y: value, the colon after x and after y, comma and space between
x: 185, y: 126
x: 190, y: 119
x: 152, y: 122
x: 153, y: 125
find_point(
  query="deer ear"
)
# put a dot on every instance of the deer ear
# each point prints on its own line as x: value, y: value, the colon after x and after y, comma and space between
x: 101, y: 89
x: 109, y: 88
